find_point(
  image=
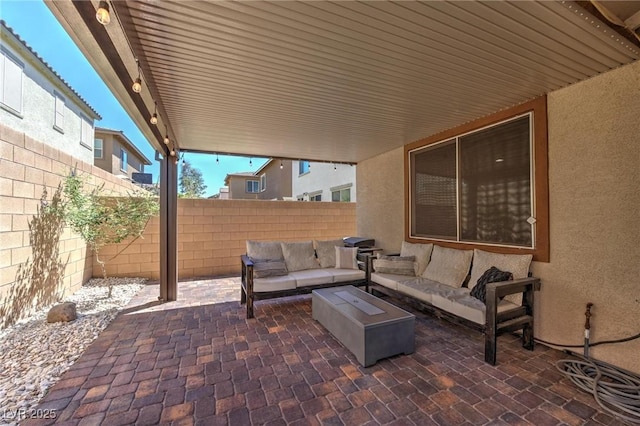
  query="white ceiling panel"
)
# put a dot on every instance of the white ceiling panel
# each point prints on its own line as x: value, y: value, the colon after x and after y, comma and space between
x: 345, y: 81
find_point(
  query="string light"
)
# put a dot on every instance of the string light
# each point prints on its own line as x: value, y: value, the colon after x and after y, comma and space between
x: 217, y: 160
x: 250, y: 162
x: 183, y: 160
x: 102, y: 14
x: 166, y: 139
x: 334, y: 166
x: 154, y: 117
x: 137, y: 84
x: 281, y: 165
x: 173, y: 153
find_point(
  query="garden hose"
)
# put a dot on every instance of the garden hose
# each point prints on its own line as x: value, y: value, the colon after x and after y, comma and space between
x: 616, y: 391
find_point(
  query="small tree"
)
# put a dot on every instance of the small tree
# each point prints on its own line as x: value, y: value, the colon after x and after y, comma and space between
x: 191, y: 181
x: 101, y: 220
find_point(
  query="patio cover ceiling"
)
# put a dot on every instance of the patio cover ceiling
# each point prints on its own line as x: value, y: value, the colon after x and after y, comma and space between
x: 337, y: 81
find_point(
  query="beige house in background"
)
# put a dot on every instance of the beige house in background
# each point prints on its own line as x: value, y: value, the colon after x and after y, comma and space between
x: 272, y: 181
x: 116, y: 154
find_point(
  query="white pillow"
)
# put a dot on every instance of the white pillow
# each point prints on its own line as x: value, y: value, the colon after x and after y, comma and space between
x: 346, y: 257
x: 448, y: 266
x: 299, y: 256
x: 422, y: 253
x: 517, y: 264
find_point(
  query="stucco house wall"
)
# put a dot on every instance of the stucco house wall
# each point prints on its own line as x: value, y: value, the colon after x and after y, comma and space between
x: 278, y: 180
x: 113, y: 142
x: 238, y: 187
x: 322, y: 178
x: 39, y: 86
x: 594, y: 176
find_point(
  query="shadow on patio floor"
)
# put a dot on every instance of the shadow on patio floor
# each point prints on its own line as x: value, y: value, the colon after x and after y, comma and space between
x: 199, y: 361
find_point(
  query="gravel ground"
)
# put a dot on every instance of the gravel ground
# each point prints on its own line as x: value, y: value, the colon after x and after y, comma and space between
x: 34, y: 354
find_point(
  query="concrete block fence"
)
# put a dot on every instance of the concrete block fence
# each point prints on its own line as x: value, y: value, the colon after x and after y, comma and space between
x: 212, y: 234
x: 60, y: 263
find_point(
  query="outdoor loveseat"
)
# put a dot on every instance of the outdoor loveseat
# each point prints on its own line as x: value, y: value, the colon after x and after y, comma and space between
x: 441, y: 281
x: 273, y: 269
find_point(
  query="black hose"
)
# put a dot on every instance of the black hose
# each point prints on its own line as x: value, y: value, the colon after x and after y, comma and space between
x: 603, y: 342
x: 616, y: 391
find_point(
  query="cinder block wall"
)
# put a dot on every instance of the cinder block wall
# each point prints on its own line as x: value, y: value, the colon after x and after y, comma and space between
x: 27, y: 167
x: 212, y: 234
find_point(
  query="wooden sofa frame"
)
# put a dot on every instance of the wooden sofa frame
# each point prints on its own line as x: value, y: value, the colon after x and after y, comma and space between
x: 248, y: 296
x: 496, y: 323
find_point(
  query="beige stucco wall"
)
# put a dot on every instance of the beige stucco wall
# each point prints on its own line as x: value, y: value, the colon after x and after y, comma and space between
x: 380, y: 206
x: 594, y: 181
x: 594, y: 168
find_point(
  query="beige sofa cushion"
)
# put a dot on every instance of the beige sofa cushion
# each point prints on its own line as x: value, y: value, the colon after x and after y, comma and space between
x: 326, y: 251
x: 468, y: 307
x: 422, y: 253
x: 343, y: 275
x: 299, y: 256
x: 448, y: 266
x: 517, y: 264
x: 285, y: 282
x: 264, y: 250
x: 309, y: 277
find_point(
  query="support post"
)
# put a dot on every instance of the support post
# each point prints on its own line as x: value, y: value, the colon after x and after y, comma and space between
x: 168, y: 230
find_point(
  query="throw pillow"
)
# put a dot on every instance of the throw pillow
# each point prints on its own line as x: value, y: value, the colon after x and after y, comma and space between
x: 491, y: 275
x: 264, y: 250
x: 398, y: 265
x: 517, y: 264
x: 326, y: 251
x: 422, y: 253
x: 268, y: 268
x: 346, y: 257
x: 448, y: 266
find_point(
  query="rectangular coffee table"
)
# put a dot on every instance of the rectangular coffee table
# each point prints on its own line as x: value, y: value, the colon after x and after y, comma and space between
x: 370, y: 328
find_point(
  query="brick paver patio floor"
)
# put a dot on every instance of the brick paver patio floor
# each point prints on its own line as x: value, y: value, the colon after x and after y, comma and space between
x: 199, y: 361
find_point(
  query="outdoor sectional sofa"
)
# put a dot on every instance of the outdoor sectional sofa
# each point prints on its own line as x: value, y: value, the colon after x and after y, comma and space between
x: 273, y: 269
x: 440, y: 280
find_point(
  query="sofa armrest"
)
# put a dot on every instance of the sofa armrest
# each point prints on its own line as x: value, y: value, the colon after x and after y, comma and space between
x: 500, y: 289
x: 247, y: 274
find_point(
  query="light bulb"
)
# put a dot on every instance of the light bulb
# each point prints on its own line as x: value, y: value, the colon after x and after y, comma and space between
x: 137, y: 85
x: 173, y: 153
x: 102, y: 14
x: 154, y: 118
x: 166, y: 140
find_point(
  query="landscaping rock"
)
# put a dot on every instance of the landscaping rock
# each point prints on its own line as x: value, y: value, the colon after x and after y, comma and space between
x: 64, y: 312
x: 36, y: 353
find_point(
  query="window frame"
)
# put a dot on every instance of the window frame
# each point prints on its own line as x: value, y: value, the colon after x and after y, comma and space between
x: 339, y: 191
x: 539, y: 179
x: 301, y: 168
x: 256, y: 186
x: 263, y: 182
x: 7, y: 55
x: 95, y: 140
x: 124, y: 160
x: 85, y: 121
x: 56, y: 125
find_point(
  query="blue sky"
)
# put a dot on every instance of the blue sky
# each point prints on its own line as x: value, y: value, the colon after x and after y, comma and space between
x: 35, y: 24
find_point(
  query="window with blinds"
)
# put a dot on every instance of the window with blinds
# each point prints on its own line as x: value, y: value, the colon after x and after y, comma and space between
x: 476, y: 187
